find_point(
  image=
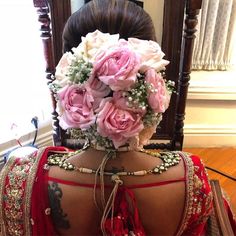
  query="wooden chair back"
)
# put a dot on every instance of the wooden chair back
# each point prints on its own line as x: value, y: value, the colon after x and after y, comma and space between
x: 180, y: 20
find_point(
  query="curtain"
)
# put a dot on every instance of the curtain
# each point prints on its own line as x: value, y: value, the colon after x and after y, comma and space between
x: 213, y: 49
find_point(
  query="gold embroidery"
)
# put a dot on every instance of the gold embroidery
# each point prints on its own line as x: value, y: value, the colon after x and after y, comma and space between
x: 14, y: 197
x: 203, y: 217
x: 16, y: 188
x: 204, y: 198
x: 14, y: 228
x: 197, y: 183
x: 198, y: 200
x: 189, y: 192
x: 197, y: 186
x: 3, y: 175
x: 202, y: 205
x: 28, y: 191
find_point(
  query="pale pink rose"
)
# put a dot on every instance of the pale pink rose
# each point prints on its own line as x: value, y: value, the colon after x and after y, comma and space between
x: 93, y: 42
x: 158, y: 96
x: 98, y: 89
x: 123, y: 103
x: 62, y: 69
x: 76, y: 105
x: 117, y: 67
x: 150, y: 52
x: 117, y: 124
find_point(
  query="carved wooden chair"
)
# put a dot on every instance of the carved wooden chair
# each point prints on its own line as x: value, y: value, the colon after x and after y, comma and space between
x: 176, y: 43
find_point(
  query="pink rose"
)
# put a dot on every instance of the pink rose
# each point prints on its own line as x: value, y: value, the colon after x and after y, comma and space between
x: 123, y: 103
x: 117, y: 67
x: 117, y: 124
x: 76, y: 107
x: 150, y: 52
x: 97, y: 88
x: 158, y: 96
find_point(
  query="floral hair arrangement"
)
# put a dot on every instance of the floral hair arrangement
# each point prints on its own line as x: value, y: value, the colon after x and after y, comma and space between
x: 110, y: 91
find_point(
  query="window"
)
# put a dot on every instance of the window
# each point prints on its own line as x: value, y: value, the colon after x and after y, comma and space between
x: 216, y: 35
x: 23, y: 92
x: 214, y: 55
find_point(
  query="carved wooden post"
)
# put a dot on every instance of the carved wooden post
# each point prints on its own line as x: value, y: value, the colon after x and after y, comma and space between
x: 172, y: 34
x: 192, y: 10
x: 43, y: 11
x: 60, y: 11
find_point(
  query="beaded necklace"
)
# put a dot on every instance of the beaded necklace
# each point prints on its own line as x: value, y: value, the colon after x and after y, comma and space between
x: 169, y: 159
x: 108, y: 207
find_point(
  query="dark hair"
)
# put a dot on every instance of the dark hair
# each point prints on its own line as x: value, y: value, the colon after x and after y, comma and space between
x: 108, y: 16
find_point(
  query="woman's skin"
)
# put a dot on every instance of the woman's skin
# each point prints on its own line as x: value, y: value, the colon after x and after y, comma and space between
x: 75, y: 213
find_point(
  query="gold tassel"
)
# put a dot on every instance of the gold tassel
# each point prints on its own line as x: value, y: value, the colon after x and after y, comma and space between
x: 111, y: 202
x: 109, y: 206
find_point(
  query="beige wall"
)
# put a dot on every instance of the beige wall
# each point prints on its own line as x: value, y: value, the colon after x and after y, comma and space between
x: 211, y: 110
x: 76, y: 4
x: 155, y: 10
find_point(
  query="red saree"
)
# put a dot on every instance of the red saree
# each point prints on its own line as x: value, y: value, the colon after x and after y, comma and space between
x: 25, y: 209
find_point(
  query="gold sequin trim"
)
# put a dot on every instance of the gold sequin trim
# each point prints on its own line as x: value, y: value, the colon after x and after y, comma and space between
x: 3, y: 175
x: 195, y: 197
x: 16, y: 195
x: 28, y: 191
x: 189, y: 192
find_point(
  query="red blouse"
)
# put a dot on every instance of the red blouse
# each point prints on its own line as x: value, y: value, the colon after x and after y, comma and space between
x: 25, y: 209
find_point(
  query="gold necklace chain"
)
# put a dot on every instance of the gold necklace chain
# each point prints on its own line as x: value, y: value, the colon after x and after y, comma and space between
x: 169, y: 159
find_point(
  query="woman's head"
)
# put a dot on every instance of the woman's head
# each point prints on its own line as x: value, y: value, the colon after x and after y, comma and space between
x: 108, y: 16
x: 109, y: 85
x: 110, y: 90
